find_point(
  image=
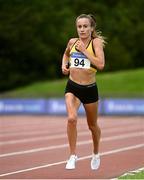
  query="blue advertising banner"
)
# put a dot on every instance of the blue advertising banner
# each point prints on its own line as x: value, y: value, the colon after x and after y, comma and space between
x: 22, y: 106
x: 123, y: 106
x: 56, y: 106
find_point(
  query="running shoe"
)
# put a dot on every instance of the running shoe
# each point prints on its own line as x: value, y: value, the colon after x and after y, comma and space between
x: 95, y: 161
x: 71, y: 162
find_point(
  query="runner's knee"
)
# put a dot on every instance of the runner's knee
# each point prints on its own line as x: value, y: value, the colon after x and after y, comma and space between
x: 94, y: 128
x: 72, y: 119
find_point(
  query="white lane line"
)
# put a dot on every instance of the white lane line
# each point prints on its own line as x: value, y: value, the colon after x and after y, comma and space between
x: 133, y: 172
x: 111, y: 138
x: 58, y: 136
x: 81, y: 158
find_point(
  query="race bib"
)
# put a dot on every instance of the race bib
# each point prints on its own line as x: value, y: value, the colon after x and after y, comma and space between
x: 79, y: 60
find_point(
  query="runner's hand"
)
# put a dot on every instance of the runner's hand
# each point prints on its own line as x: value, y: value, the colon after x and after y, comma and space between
x: 65, y: 69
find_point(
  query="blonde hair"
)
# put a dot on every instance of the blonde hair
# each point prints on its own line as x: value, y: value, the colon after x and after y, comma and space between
x: 95, y: 33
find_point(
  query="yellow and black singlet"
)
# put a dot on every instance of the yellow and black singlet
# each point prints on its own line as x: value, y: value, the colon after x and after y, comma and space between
x: 79, y: 60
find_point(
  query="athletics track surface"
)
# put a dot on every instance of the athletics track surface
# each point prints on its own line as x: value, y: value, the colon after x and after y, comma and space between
x: 35, y: 147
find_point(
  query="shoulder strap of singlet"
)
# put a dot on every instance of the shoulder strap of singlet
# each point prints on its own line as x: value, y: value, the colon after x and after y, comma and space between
x: 74, y: 44
x: 93, y: 47
x: 88, y: 44
x: 93, y: 66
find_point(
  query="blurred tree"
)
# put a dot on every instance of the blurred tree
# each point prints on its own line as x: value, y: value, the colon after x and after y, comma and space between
x: 33, y: 36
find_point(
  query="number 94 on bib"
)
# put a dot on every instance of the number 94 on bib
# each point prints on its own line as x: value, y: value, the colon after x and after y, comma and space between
x: 80, y: 61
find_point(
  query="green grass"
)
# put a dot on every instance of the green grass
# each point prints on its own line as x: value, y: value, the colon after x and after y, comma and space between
x: 139, y: 175
x: 122, y: 84
x: 38, y: 90
x: 117, y: 84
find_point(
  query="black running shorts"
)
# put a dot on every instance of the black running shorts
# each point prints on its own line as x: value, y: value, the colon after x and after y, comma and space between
x: 86, y: 93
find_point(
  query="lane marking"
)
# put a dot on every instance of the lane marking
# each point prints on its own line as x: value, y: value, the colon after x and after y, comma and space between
x: 111, y: 138
x: 58, y: 136
x: 133, y: 172
x: 81, y: 158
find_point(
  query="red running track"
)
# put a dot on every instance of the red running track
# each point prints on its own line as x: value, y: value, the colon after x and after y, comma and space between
x: 36, y: 147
